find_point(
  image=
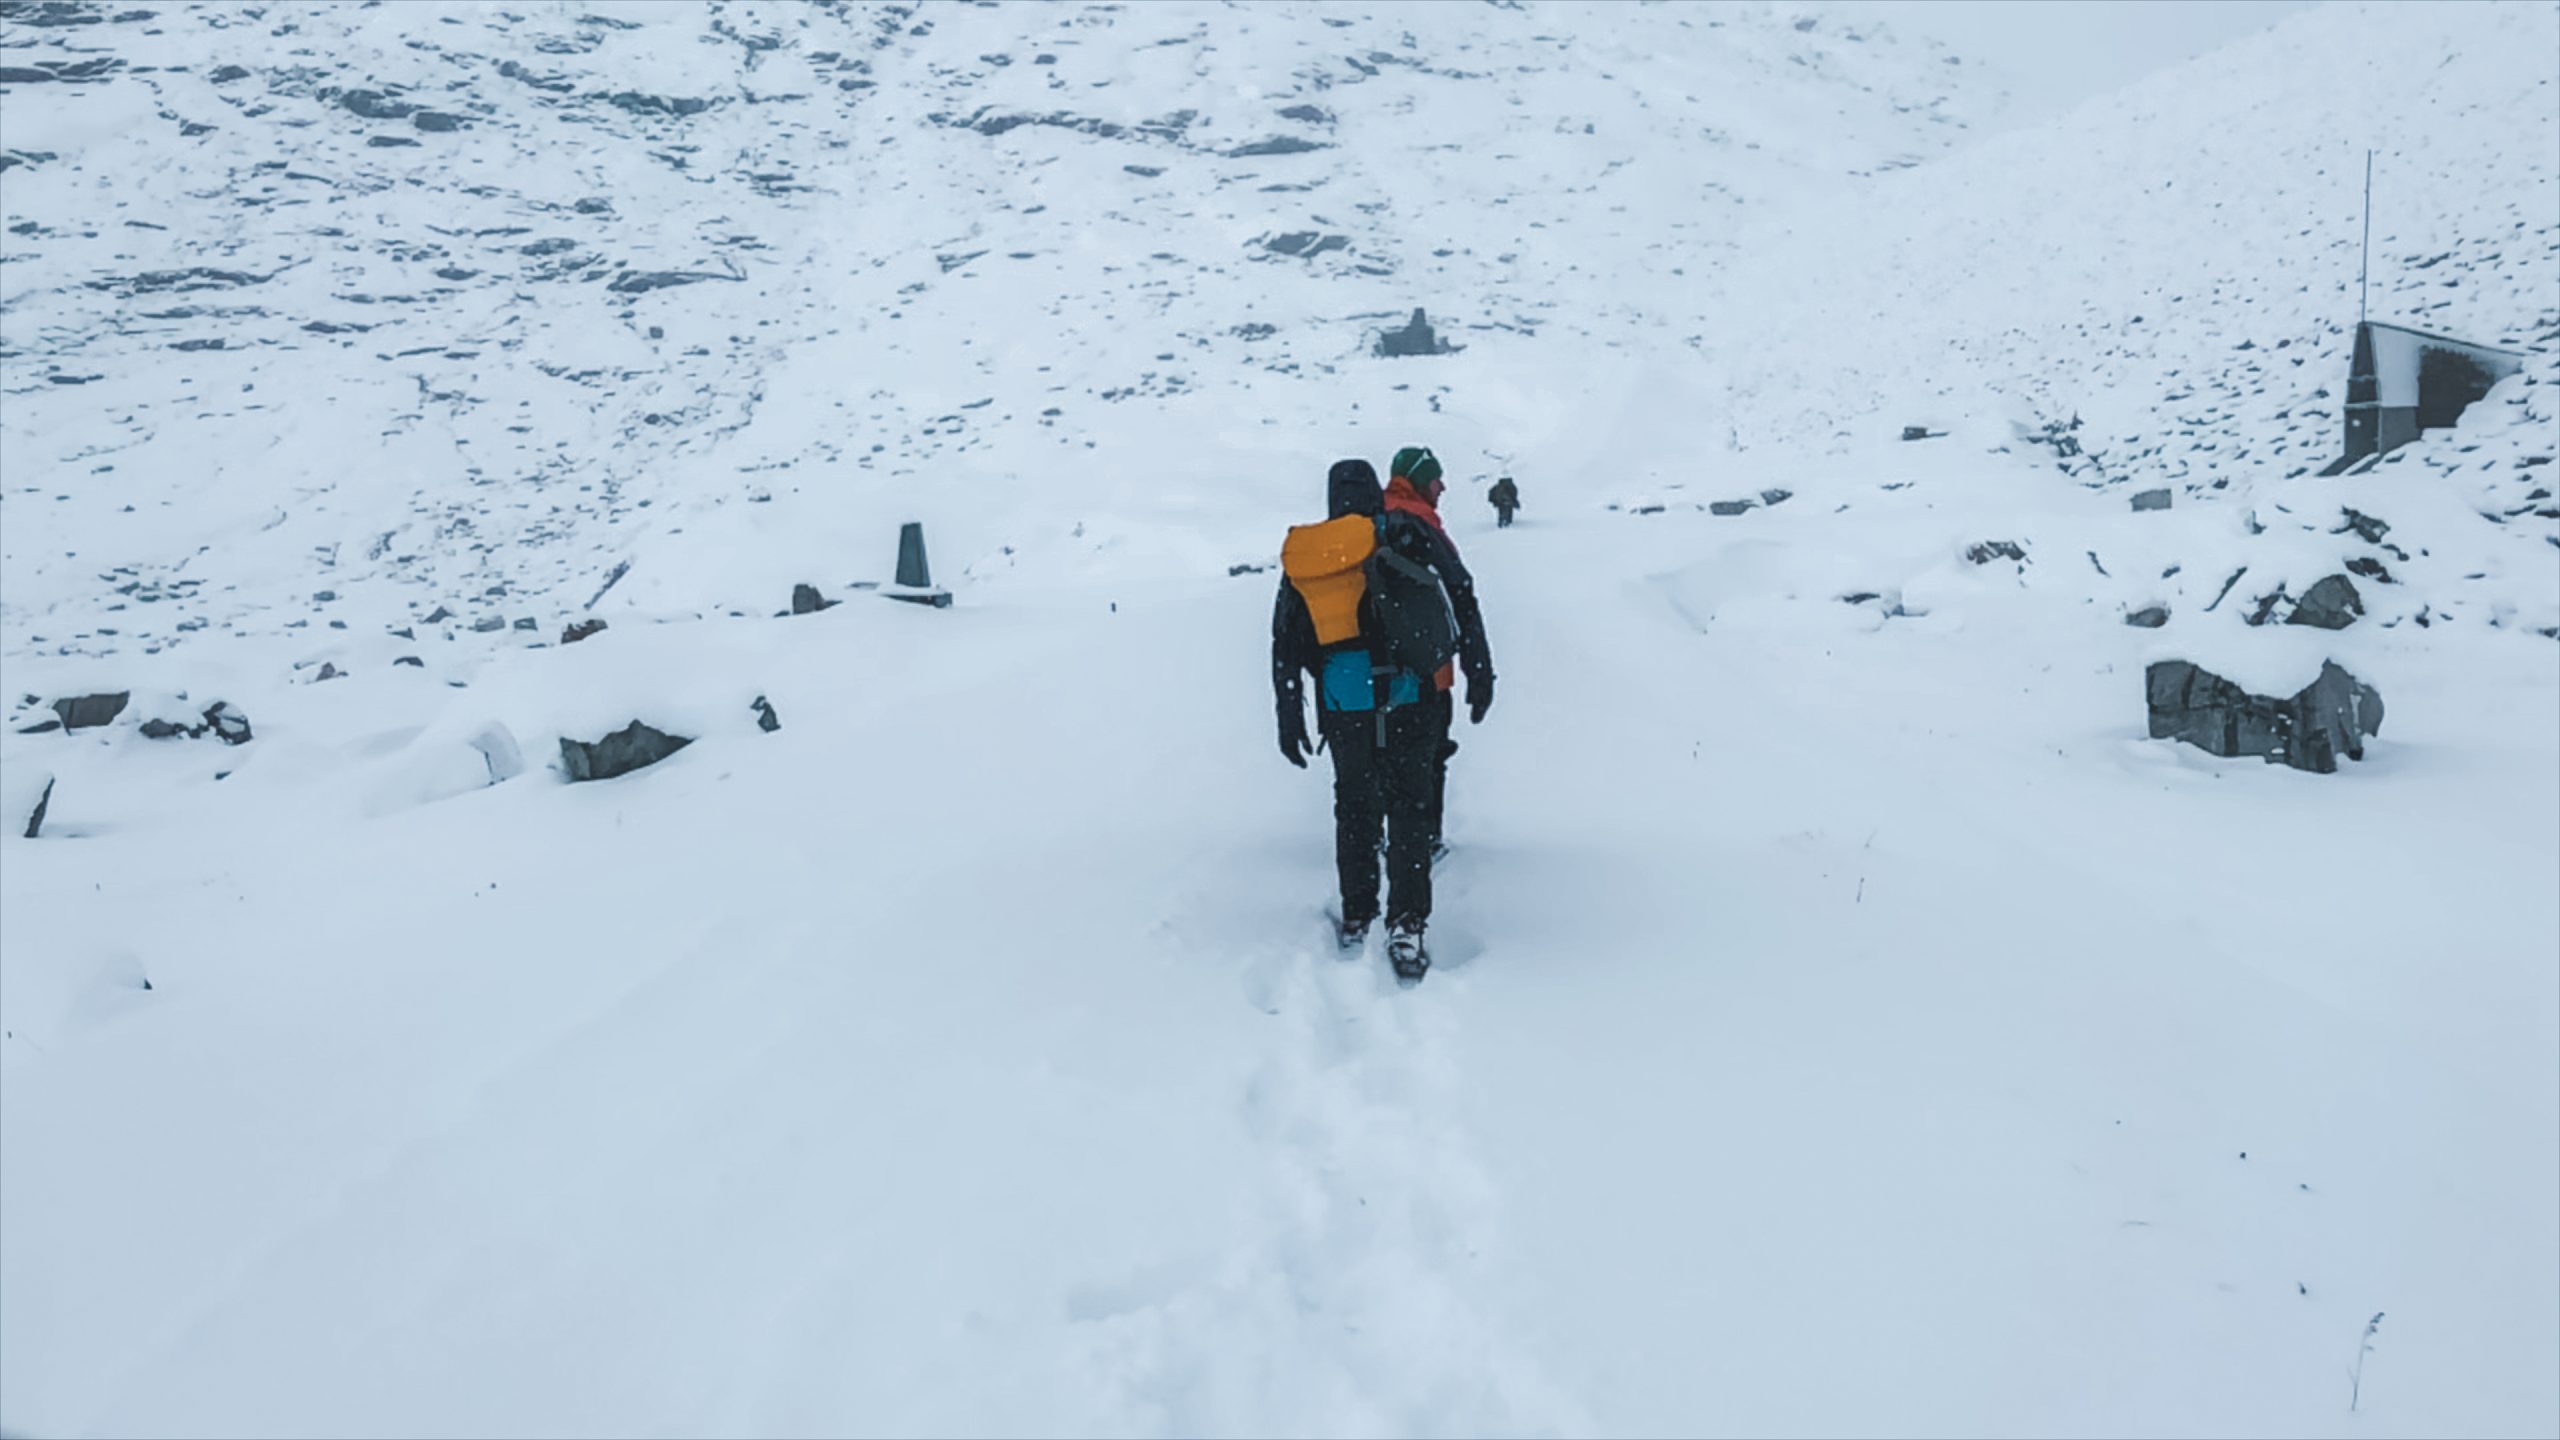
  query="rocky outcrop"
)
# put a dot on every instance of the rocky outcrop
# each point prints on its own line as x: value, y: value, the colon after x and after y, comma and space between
x: 635, y: 746
x: 1416, y: 338
x: 2328, y: 718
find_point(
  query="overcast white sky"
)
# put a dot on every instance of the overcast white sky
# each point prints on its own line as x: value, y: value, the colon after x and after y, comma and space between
x: 2055, y: 52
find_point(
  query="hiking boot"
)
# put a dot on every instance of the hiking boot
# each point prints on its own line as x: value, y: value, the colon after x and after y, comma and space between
x: 1405, y: 952
x: 1352, y: 933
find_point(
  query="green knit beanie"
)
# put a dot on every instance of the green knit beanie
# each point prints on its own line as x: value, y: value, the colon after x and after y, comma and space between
x: 1417, y: 464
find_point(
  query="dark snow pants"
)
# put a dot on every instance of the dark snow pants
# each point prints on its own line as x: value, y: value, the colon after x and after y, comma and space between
x: 1444, y: 713
x: 1390, y: 786
x: 1504, y: 512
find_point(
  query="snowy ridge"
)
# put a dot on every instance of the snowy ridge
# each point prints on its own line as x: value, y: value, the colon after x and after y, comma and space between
x: 550, y: 269
x: 1845, y: 1020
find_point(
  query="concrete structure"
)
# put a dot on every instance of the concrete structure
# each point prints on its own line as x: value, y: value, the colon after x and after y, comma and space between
x: 2403, y: 381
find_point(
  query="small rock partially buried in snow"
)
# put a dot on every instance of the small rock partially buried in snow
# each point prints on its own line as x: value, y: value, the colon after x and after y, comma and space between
x: 2149, y: 617
x: 2331, y: 604
x: 2151, y: 500
x: 633, y: 747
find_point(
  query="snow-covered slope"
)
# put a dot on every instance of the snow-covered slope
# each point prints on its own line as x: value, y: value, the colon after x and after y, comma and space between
x: 1845, y: 1020
x: 417, y: 300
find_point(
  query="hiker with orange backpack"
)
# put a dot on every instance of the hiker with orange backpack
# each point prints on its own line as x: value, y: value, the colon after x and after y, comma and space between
x: 1373, y: 605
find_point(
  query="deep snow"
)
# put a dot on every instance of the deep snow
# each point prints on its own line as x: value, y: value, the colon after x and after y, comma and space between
x: 1846, y: 1021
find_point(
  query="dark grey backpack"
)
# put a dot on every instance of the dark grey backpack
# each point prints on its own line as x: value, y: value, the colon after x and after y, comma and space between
x: 1417, y: 630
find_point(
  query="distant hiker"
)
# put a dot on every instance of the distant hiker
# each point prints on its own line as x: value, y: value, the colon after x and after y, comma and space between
x: 1506, y: 498
x: 1373, y: 604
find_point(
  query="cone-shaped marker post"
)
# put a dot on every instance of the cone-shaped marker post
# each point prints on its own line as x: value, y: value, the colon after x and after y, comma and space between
x: 915, y: 577
x: 912, y: 570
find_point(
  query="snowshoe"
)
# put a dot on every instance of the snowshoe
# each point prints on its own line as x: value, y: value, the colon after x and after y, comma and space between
x: 1351, y: 935
x: 1406, y: 953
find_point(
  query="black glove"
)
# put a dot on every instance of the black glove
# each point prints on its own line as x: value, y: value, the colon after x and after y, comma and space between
x: 1294, y: 745
x: 1479, y: 697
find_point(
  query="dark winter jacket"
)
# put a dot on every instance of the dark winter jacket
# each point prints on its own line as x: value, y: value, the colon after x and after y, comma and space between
x: 1354, y: 491
x: 1504, y: 495
x: 1412, y: 529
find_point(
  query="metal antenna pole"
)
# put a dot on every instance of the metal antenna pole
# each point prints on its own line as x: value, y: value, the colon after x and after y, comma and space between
x: 2364, y: 262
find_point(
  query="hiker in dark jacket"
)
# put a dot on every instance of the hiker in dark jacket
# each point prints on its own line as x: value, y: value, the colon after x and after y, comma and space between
x: 1383, y: 727
x: 1414, y: 493
x: 1506, y: 498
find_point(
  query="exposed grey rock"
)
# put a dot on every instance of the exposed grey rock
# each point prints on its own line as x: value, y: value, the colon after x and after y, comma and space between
x: 1305, y: 244
x: 227, y: 74
x: 158, y: 729
x: 1990, y: 550
x: 2151, y: 500
x: 1776, y: 497
x: 441, y: 615
x: 1277, y: 145
x: 2371, y: 569
x: 2149, y: 617
x: 1726, y: 507
x: 374, y: 105
x: 580, y: 631
x: 1416, y: 338
x: 669, y: 105
x: 44, y: 801
x: 1919, y: 432
x: 805, y: 600
x: 487, y: 623
x: 766, y: 720
x: 633, y: 747
x: 87, y: 712
x: 1310, y: 114
x: 527, y: 622
x: 639, y: 282
x: 2328, y: 718
x: 2371, y: 528
x: 2263, y: 608
x: 437, y: 121
x: 2332, y: 604
x: 228, y: 725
